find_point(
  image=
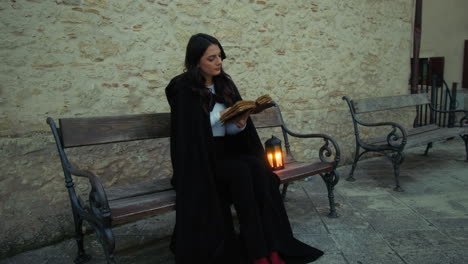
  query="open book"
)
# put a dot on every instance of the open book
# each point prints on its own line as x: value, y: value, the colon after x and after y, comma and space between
x: 240, y: 107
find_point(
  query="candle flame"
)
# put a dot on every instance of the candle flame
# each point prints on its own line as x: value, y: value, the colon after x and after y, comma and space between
x: 279, y: 160
x: 270, y: 159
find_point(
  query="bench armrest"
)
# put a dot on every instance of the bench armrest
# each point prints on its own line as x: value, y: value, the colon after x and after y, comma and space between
x: 448, y: 111
x: 356, y: 120
x: 325, y: 151
x: 396, y: 138
x: 463, y: 121
x: 99, y: 205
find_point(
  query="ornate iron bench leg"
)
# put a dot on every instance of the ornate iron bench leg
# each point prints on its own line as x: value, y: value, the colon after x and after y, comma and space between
x: 331, y: 179
x: 397, y: 159
x: 465, y: 138
x: 429, y: 145
x: 108, y: 244
x: 82, y: 257
x: 353, y: 167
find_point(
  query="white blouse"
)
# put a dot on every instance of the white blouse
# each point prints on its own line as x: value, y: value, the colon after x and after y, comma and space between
x: 219, y: 130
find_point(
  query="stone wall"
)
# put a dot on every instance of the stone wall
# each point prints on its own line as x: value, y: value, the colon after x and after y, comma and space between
x: 70, y: 58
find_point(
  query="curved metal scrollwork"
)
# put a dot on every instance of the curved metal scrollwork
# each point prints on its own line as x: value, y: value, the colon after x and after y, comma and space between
x: 333, y: 178
x: 398, y: 157
x: 99, y: 206
x: 98, y: 200
x: 326, y: 151
x: 396, y: 139
x: 98, y: 213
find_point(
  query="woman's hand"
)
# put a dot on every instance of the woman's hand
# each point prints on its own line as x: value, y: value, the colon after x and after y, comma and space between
x: 221, y: 113
x: 242, y: 119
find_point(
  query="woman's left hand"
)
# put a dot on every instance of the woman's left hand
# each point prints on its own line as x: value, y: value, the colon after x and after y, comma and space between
x: 241, y: 121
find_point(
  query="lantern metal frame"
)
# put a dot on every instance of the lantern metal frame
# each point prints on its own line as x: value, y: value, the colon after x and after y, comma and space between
x: 273, y: 148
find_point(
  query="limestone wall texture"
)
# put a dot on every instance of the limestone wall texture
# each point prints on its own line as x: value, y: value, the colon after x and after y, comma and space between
x: 71, y: 58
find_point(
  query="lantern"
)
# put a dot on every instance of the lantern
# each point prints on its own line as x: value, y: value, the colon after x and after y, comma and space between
x: 274, y: 153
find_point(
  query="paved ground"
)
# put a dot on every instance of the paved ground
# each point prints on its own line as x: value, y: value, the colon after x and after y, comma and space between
x: 428, y: 223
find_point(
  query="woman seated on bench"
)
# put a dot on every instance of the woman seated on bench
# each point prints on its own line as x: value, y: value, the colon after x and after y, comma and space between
x: 218, y: 164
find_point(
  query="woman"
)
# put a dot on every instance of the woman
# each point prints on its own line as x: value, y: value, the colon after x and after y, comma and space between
x: 216, y: 165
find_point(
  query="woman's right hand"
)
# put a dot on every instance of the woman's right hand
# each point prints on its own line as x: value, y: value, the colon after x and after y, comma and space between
x: 221, y: 113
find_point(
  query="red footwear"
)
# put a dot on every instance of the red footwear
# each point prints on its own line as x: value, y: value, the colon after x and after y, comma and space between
x: 275, y: 258
x: 261, y: 261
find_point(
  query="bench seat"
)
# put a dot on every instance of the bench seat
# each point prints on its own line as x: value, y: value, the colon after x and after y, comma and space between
x: 136, y: 201
x: 299, y: 170
x: 420, y: 136
x: 133, y: 208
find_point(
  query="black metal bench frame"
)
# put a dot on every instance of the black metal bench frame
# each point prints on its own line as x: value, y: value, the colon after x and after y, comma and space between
x: 392, y: 145
x: 117, y: 205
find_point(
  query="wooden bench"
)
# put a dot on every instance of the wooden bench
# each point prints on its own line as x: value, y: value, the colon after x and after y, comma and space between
x: 398, y: 138
x: 118, y: 205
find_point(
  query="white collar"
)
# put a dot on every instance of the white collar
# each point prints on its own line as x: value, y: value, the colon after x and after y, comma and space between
x: 212, y: 88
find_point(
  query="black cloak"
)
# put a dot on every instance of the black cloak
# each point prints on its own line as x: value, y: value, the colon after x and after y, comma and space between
x: 204, y: 230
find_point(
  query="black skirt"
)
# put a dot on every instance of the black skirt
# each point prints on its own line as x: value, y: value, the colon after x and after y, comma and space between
x: 246, y: 182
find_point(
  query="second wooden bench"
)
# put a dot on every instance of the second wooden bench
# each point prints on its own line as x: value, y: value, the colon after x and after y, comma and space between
x: 399, y: 138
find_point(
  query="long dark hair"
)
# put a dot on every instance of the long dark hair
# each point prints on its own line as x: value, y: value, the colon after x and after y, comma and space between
x: 224, y: 86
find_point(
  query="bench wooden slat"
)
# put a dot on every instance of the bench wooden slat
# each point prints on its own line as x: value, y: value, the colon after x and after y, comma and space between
x: 440, y: 134
x: 298, y: 170
x: 268, y: 118
x: 423, y: 129
x: 101, y: 130
x: 388, y: 102
x: 133, y: 208
x: 110, y: 129
x: 121, y: 192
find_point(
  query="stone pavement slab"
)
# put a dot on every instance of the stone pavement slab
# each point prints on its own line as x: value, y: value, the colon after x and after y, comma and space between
x: 403, y: 219
x: 434, y: 257
x: 428, y: 223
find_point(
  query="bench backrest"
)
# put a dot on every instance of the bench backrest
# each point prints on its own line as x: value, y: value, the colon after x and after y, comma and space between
x: 389, y: 102
x: 84, y: 131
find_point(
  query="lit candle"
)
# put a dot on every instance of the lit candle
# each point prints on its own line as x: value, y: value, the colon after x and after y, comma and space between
x: 279, y: 160
x: 270, y: 159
